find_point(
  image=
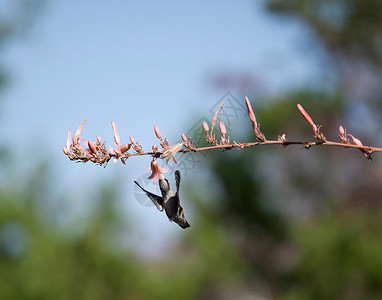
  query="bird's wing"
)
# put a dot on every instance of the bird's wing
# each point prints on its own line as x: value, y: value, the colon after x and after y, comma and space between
x: 157, y: 200
x: 177, y: 181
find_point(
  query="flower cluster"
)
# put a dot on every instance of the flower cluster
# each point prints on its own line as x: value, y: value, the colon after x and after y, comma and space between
x: 96, y: 152
x: 344, y: 138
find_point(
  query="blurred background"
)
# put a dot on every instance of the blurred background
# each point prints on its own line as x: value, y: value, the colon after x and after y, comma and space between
x: 266, y: 222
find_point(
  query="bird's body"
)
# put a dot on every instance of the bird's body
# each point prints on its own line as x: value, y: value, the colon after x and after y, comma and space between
x: 169, y: 201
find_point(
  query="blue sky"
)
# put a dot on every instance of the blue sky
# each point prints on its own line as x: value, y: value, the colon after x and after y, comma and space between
x: 138, y: 63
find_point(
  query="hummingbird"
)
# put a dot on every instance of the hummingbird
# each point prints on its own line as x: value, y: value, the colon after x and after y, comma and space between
x: 169, y: 201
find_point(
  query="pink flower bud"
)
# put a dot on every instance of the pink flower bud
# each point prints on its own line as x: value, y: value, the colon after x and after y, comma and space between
x: 184, y: 138
x: 76, y: 137
x: 359, y: 143
x: 124, y: 147
x: 307, y: 117
x: 69, y: 140
x: 356, y: 141
x: 251, y: 114
x: 341, y: 129
x: 157, y: 132
x: 65, y: 149
x: 132, y: 140
x: 205, y: 126
x: 92, y: 147
x: 222, y: 128
x: 99, y: 140
x: 215, y: 118
x: 116, y: 135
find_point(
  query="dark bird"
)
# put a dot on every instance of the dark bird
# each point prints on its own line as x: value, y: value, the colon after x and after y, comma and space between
x: 169, y: 201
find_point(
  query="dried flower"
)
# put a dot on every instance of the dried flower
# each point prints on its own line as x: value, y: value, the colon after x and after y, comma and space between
x: 156, y: 172
x: 171, y: 151
x: 282, y: 138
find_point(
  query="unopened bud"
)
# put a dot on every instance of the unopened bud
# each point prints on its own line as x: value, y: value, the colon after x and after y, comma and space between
x: 205, y: 127
x: 341, y: 129
x: 69, y: 140
x: 132, y: 140
x: 222, y: 128
x: 99, y: 140
x: 356, y: 141
x: 65, y: 149
x: 251, y: 114
x: 184, y: 138
x: 92, y: 147
x: 116, y: 135
x: 76, y: 137
x: 157, y: 132
x: 124, y: 147
x: 215, y: 118
x: 307, y: 117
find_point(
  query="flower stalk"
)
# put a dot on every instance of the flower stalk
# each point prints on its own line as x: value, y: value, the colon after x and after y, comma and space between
x: 96, y: 152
